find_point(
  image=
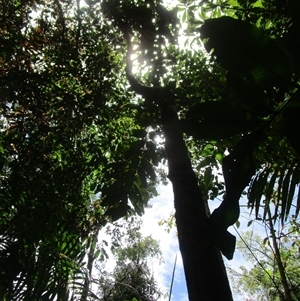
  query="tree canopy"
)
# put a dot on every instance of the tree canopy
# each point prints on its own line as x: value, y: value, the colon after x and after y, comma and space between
x: 131, y: 277
x: 274, y: 274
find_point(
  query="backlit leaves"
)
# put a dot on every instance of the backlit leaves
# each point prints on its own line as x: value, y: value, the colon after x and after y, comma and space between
x: 217, y: 120
x: 276, y: 184
x: 243, y: 48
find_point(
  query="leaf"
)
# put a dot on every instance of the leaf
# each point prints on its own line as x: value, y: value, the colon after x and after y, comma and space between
x: 298, y: 202
x: 97, y: 253
x: 245, y: 49
x: 285, y: 192
x: 207, y: 176
x: 251, y: 191
x: 208, y: 159
x: 134, y: 149
x: 279, y: 189
x: 217, y: 120
x: 151, y: 151
x: 247, y: 95
x: 148, y: 168
x: 294, y: 181
x: 219, y: 157
x: 112, y: 194
x: 120, y: 210
x: 139, y: 133
x: 270, y: 190
x: 185, y: 16
x: 238, y: 167
x: 294, y: 28
x: 291, y: 115
x: 256, y: 189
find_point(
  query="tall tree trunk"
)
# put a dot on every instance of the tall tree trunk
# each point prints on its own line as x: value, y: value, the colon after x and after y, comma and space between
x: 204, y: 268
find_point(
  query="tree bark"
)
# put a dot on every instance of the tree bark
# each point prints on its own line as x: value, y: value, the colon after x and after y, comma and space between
x: 204, y: 268
x: 203, y: 265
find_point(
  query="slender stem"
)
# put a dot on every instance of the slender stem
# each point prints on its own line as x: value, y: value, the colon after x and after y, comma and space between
x: 280, y: 266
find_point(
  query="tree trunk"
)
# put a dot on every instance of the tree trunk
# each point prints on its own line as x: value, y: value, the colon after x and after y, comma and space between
x: 205, y: 273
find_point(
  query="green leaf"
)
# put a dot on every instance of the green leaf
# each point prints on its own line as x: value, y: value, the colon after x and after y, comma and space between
x: 185, y: 16
x: 207, y: 176
x: 280, y: 184
x: 294, y: 181
x: 120, y: 210
x: 298, y: 202
x: 247, y: 95
x: 134, y: 150
x: 148, y: 168
x: 219, y: 157
x: 139, y: 133
x: 217, y: 120
x: 292, y: 39
x: 291, y: 115
x: 256, y: 189
x: 151, y: 151
x: 270, y: 190
x: 97, y: 253
x: 208, y: 159
x: 245, y: 49
x: 285, y: 192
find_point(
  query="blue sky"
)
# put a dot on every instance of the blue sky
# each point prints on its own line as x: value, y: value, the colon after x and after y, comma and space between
x: 162, y: 207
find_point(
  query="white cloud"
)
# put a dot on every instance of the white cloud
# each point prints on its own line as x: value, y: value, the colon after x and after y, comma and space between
x: 162, y: 207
